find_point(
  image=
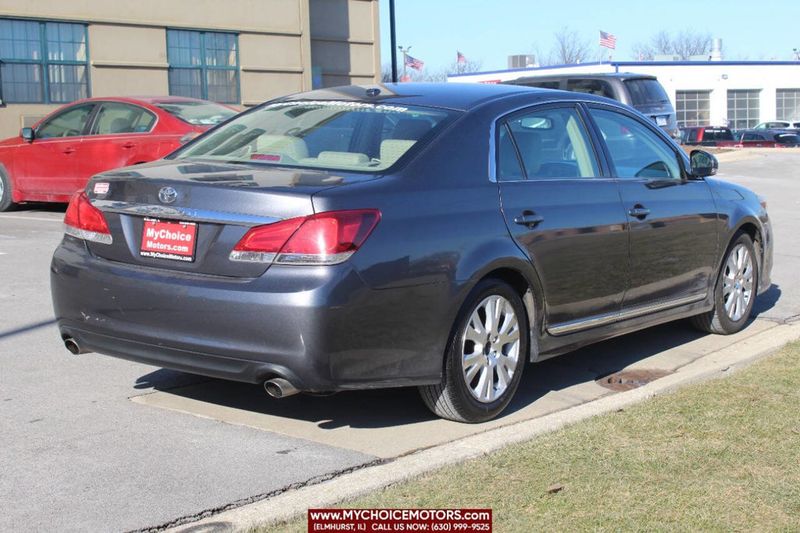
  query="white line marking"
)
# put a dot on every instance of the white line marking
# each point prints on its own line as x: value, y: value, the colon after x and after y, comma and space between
x: 42, y: 219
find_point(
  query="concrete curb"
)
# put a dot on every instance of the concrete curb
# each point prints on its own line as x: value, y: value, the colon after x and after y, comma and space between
x: 360, y: 482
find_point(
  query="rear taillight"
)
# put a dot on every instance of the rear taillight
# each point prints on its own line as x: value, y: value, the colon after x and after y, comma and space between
x: 321, y: 239
x: 85, y: 221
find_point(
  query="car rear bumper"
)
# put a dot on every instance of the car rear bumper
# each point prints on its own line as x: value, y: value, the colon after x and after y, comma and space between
x: 321, y: 328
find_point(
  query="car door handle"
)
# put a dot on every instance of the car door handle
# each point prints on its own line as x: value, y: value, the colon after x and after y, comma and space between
x: 639, y: 211
x: 129, y: 145
x: 529, y: 219
x: 69, y: 150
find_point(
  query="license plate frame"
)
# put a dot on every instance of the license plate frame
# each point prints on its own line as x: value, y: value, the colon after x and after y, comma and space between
x: 173, y: 240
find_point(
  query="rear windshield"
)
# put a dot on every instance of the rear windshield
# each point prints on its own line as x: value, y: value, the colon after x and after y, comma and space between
x: 645, y: 91
x: 321, y: 134
x: 720, y: 134
x: 198, y: 113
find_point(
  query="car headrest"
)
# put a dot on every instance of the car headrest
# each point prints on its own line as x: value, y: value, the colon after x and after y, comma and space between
x: 393, y: 149
x: 287, y: 145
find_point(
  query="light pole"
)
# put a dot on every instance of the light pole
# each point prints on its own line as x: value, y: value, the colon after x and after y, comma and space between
x: 393, y: 37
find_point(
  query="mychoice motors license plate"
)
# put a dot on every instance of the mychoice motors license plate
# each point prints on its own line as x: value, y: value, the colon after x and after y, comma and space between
x: 168, y: 240
x: 661, y: 121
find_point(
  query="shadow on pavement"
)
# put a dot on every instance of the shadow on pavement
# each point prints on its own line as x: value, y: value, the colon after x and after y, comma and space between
x: 397, y: 407
x: 767, y: 300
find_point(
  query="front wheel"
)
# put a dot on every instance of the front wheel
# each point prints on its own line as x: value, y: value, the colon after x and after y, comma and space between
x: 6, y: 202
x: 735, y: 290
x: 485, y: 356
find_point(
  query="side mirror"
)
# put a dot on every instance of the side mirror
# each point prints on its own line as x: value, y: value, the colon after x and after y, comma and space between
x: 703, y: 164
x: 26, y: 134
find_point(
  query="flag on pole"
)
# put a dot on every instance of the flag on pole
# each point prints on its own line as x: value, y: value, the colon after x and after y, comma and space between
x: 460, y: 59
x: 414, y: 63
x: 607, y: 40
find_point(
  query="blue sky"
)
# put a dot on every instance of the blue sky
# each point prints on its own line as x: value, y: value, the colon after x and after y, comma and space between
x: 490, y: 30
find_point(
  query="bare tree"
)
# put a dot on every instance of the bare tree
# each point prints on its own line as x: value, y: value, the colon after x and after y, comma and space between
x: 684, y: 44
x: 569, y: 47
x: 465, y: 67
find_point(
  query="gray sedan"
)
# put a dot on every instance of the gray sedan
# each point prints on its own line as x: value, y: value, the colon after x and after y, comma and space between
x: 430, y: 235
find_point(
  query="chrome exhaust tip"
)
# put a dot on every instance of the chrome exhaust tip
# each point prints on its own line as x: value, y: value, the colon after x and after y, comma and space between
x: 279, y: 388
x: 72, y: 345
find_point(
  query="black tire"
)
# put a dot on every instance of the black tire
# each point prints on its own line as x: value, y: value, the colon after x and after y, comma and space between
x: 717, y: 320
x: 452, y: 398
x: 6, y: 204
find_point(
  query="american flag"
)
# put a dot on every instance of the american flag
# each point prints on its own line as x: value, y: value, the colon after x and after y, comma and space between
x: 460, y: 59
x: 414, y: 63
x: 608, y: 40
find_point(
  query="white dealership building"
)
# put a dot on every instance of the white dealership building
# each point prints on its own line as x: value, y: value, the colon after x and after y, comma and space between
x: 735, y: 93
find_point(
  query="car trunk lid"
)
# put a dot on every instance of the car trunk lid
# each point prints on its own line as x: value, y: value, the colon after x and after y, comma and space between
x: 189, y: 215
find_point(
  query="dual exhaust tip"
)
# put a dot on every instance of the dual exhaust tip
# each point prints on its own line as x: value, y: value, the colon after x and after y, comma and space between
x: 276, y: 387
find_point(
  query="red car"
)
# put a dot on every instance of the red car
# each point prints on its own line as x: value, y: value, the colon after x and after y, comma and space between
x: 55, y: 158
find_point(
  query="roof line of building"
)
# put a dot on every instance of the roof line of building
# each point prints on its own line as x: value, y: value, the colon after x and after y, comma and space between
x: 618, y: 64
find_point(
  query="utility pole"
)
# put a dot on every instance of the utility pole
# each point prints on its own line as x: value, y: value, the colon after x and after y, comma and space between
x: 393, y: 37
x: 405, y: 53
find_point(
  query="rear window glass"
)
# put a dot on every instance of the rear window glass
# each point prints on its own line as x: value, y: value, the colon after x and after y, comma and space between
x: 321, y: 134
x: 717, y: 135
x: 198, y: 113
x: 646, y: 91
x: 787, y: 138
x: 598, y: 87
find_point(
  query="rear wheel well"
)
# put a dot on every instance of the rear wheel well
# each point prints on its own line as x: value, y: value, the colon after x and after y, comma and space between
x: 532, y: 300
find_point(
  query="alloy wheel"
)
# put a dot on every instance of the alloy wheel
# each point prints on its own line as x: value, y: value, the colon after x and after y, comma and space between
x: 490, y: 348
x: 737, y: 282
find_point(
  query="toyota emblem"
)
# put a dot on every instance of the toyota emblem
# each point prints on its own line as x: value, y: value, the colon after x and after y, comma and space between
x: 167, y: 195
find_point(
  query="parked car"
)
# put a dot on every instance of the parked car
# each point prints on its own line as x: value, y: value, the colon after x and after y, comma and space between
x: 430, y: 235
x: 769, y: 138
x: 640, y: 91
x: 777, y: 125
x: 57, y: 156
x: 707, y: 136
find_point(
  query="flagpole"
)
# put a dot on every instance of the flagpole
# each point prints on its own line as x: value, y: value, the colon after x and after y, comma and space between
x: 405, y: 54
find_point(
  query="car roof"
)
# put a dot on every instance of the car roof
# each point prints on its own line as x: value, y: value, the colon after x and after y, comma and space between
x: 586, y: 76
x: 457, y: 96
x: 142, y: 99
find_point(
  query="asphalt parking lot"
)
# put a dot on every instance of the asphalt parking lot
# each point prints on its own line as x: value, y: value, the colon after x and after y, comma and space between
x: 95, y: 443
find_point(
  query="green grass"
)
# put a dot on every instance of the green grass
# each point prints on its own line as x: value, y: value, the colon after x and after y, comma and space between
x: 718, y: 456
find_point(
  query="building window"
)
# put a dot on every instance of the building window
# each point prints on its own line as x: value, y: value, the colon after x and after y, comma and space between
x: 43, y: 62
x: 743, y: 108
x: 693, y: 108
x: 203, y: 64
x: 787, y: 104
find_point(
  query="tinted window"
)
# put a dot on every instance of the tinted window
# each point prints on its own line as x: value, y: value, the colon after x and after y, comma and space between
x: 122, y: 118
x: 322, y: 134
x: 636, y: 151
x: 598, y: 87
x: 543, y: 84
x: 552, y: 144
x: 68, y: 123
x: 717, y: 134
x: 646, y: 92
x: 787, y: 138
x: 692, y: 135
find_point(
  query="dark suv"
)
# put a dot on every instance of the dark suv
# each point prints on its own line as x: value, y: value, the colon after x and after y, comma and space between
x: 642, y: 92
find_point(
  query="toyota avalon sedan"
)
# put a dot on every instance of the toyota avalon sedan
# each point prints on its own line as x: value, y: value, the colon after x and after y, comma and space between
x: 427, y: 235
